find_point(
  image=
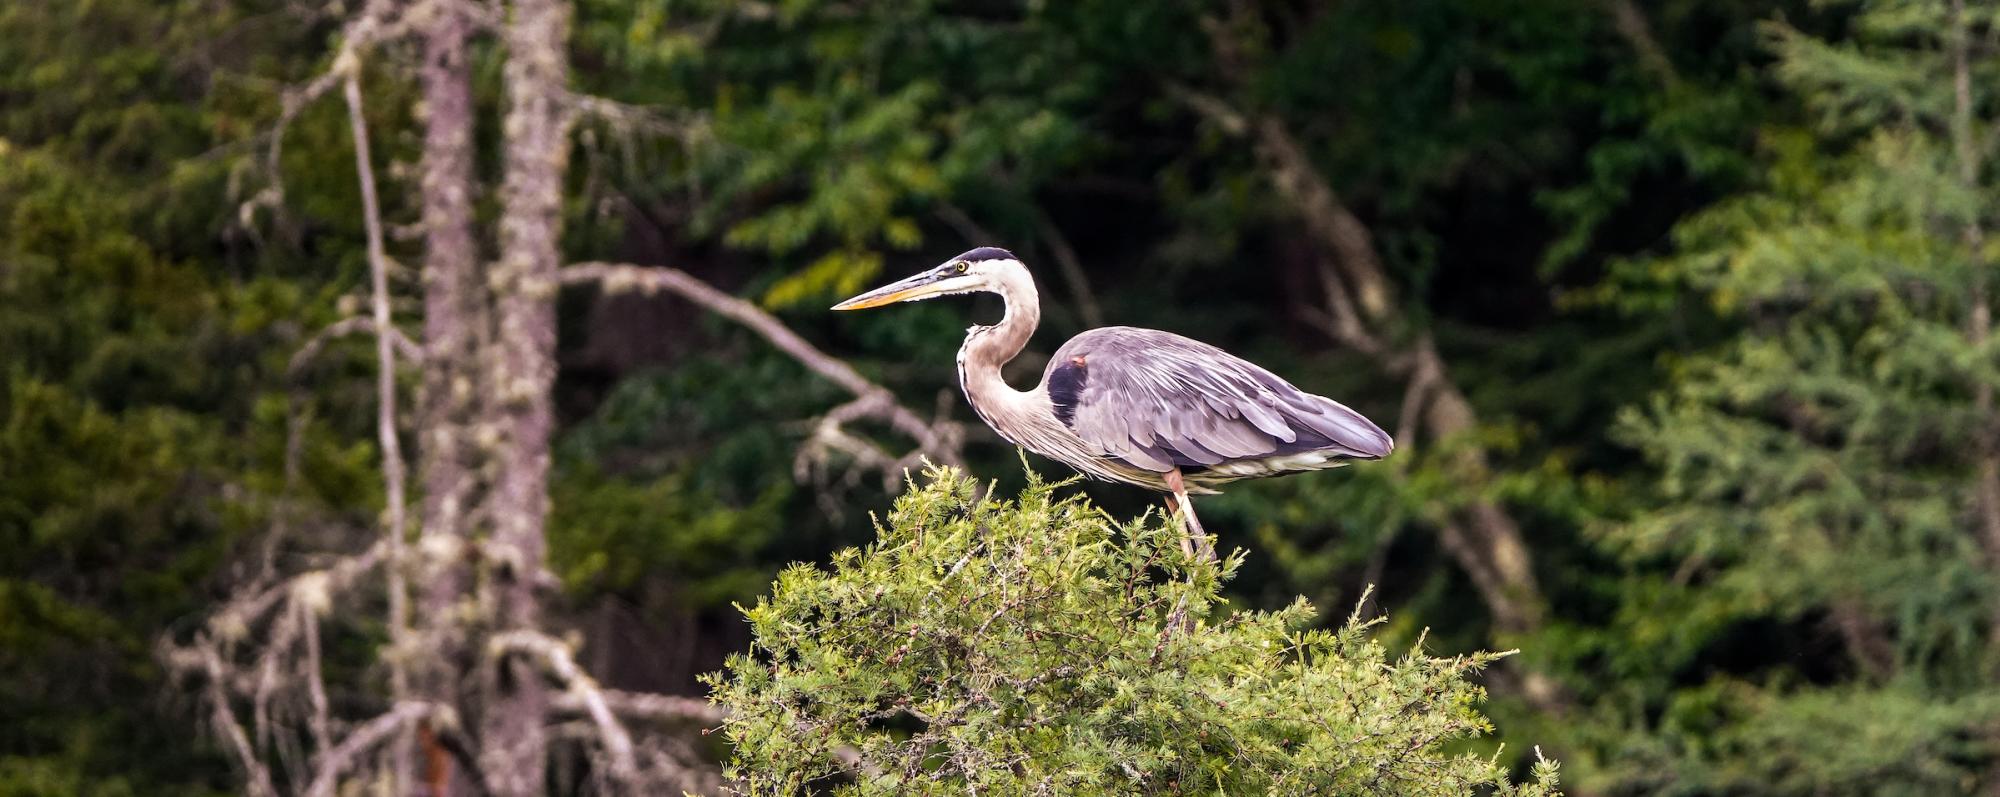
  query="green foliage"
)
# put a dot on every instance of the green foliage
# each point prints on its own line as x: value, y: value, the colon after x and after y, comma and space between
x: 1749, y: 437
x: 609, y: 534
x: 141, y: 425
x: 1816, y: 472
x: 1031, y: 646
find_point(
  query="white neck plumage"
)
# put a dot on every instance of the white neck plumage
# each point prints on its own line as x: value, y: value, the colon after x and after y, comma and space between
x: 988, y: 349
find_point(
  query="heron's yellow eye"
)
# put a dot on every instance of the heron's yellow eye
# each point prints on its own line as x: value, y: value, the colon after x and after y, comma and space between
x: 962, y: 266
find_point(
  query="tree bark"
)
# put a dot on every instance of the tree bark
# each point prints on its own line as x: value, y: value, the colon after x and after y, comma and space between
x: 536, y: 133
x: 453, y: 306
x: 454, y: 314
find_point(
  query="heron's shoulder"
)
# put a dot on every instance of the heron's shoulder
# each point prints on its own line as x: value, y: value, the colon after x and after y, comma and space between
x: 1116, y: 341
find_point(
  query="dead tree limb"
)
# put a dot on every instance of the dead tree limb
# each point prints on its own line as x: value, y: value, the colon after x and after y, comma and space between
x: 939, y: 440
x: 554, y: 658
x: 1630, y: 22
x: 316, y: 587
x: 456, y: 317
x: 377, y: 22
x: 394, y: 479
x: 647, y: 707
x: 202, y: 657
x: 678, y: 710
x: 352, y: 325
x: 369, y: 735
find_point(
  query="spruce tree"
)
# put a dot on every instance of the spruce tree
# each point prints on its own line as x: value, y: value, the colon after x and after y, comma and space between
x: 1831, y: 472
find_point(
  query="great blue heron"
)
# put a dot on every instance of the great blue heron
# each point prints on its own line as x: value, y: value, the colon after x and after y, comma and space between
x: 1138, y: 406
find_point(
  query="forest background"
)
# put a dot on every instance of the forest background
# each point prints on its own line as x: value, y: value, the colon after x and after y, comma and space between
x: 1679, y: 311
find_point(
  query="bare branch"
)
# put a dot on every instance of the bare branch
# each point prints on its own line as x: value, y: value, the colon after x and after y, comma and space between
x: 284, y: 633
x: 375, y: 23
x: 626, y: 118
x: 394, y: 478
x: 938, y: 440
x: 556, y: 660
x: 1211, y: 107
x: 371, y: 733
x: 315, y: 679
x: 1631, y: 24
x: 1342, y: 322
x: 352, y: 325
x: 1416, y: 400
x: 202, y: 657
x: 678, y: 710
x: 1327, y: 219
x: 663, y: 709
x: 316, y: 588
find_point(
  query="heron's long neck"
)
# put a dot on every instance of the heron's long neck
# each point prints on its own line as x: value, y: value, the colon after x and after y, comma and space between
x: 987, y: 350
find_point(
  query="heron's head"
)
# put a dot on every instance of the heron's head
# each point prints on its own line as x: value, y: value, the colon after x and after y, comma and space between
x: 987, y: 268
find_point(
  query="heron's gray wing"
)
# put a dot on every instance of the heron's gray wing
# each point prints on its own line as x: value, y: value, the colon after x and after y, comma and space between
x: 1160, y: 401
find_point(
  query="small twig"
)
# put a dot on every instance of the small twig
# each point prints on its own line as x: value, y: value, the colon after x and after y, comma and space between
x: 373, y: 25
x: 1214, y: 108
x: 203, y: 657
x: 315, y: 679
x: 1424, y: 380
x: 233, y: 620
x: 371, y: 733
x: 352, y: 325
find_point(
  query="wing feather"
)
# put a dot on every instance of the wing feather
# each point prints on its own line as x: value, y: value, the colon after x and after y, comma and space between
x: 1159, y: 401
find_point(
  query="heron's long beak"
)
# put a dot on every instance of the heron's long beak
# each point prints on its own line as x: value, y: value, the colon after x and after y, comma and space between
x: 922, y: 286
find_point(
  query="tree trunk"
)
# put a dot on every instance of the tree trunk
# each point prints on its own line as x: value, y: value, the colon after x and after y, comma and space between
x: 453, y: 304
x: 514, y: 742
x: 454, y: 315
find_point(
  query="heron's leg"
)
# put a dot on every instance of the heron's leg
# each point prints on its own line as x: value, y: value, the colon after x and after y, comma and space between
x: 1196, y: 538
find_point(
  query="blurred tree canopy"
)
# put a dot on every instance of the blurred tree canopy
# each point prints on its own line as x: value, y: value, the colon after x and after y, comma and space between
x: 1711, y: 277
